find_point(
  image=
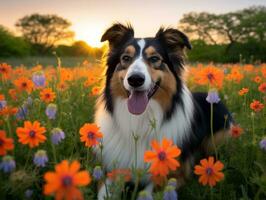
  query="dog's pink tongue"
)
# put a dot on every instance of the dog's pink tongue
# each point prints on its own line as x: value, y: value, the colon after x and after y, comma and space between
x: 137, y: 102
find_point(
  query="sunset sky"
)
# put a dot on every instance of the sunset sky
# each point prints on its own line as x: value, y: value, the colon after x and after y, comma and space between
x: 91, y: 17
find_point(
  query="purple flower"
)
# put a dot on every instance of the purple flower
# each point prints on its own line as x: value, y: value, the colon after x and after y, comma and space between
x: 28, y: 193
x: 57, y: 135
x: 144, y: 195
x: 172, y: 182
x: 40, y: 158
x: 38, y: 79
x: 97, y: 173
x: 29, y: 101
x: 2, y: 104
x: 263, y: 144
x: 8, y: 164
x: 169, y: 193
x: 22, y: 112
x: 213, y: 97
x: 51, y: 110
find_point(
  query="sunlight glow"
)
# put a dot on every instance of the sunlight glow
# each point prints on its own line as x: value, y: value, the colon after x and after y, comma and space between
x: 92, y: 36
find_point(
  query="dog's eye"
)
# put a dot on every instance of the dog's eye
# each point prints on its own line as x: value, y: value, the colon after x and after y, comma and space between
x: 154, y: 59
x: 126, y: 58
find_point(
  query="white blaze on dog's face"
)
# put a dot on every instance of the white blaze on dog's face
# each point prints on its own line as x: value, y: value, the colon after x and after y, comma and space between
x: 138, y: 82
x: 143, y: 69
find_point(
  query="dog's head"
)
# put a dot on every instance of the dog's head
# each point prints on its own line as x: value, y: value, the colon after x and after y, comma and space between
x: 140, y: 69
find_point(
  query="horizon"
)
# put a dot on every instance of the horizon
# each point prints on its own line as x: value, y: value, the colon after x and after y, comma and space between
x: 91, y: 18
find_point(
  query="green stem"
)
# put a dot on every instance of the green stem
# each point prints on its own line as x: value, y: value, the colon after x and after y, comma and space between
x: 211, y: 193
x: 49, y: 126
x: 136, y: 152
x: 253, y: 128
x: 88, y: 155
x: 9, y: 127
x: 101, y: 149
x: 212, y: 135
x: 54, y: 152
x: 258, y: 194
x: 27, y: 160
x: 135, y: 187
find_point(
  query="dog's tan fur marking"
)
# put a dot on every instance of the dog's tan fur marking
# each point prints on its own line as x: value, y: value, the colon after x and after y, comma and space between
x: 130, y: 50
x: 117, y: 87
x: 150, y: 51
x: 167, y: 86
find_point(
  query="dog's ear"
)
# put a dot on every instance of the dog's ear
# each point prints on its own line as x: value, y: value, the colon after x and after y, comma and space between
x: 173, y: 39
x: 118, y: 33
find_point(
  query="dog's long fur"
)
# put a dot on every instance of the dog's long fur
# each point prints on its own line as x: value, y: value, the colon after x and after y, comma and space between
x: 172, y: 112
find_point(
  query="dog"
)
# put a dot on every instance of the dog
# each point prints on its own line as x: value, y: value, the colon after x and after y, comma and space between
x: 144, y: 85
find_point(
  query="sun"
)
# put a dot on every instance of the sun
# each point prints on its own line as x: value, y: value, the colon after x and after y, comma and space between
x: 91, y: 36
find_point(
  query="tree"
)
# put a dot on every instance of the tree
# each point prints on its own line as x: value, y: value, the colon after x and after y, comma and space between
x: 44, y: 31
x: 229, y: 28
x: 11, y: 45
x: 200, y: 26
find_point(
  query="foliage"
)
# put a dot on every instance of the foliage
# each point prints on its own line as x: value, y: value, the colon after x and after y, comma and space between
x: 11, y: 45
x: 226, y: 37
x: 239, y: 26
x: 44, y: 31
x: 79, y: 48
x: 249, y: 52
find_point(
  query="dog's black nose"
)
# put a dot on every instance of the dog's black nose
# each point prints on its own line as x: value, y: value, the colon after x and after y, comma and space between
x: 136, y: 80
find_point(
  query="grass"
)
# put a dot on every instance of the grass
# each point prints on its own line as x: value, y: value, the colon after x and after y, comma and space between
x: 245, y: 162
x: 47, y: 61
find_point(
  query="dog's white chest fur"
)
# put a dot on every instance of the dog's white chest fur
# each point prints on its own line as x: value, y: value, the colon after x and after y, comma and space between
x: 119, y: 129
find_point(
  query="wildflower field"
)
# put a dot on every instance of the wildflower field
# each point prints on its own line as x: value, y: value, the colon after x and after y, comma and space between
x: 47, y: 136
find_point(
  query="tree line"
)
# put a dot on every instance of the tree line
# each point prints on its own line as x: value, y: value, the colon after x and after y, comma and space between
x: 228, y: 37
x: 42, y: 35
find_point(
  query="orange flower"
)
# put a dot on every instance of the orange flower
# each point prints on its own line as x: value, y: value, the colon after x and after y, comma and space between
x: 262, y: 88
x: 209, y: 172
x: 8, y: 110
x: 248, y: 68
x: 12, y: 93
x: 65, y: 180
x: 243, y: 91
x: 162, y: 157
x: 90, y: 81
x: 236, y: 131
x: 235, y: 75
x: 263, y: 71
x: 115, y: 174
x: 24, y: 84
x: 31, y: 133
x: 95, y: 91
x: 5, y: 70
x: 90, y: 134
x: 62, y: 86
x: 210, y: 75
x: 47, y: 95
x: 2, y: 97
x: 256, y: 106
x: 257, y: 79
x: 6, y: 144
